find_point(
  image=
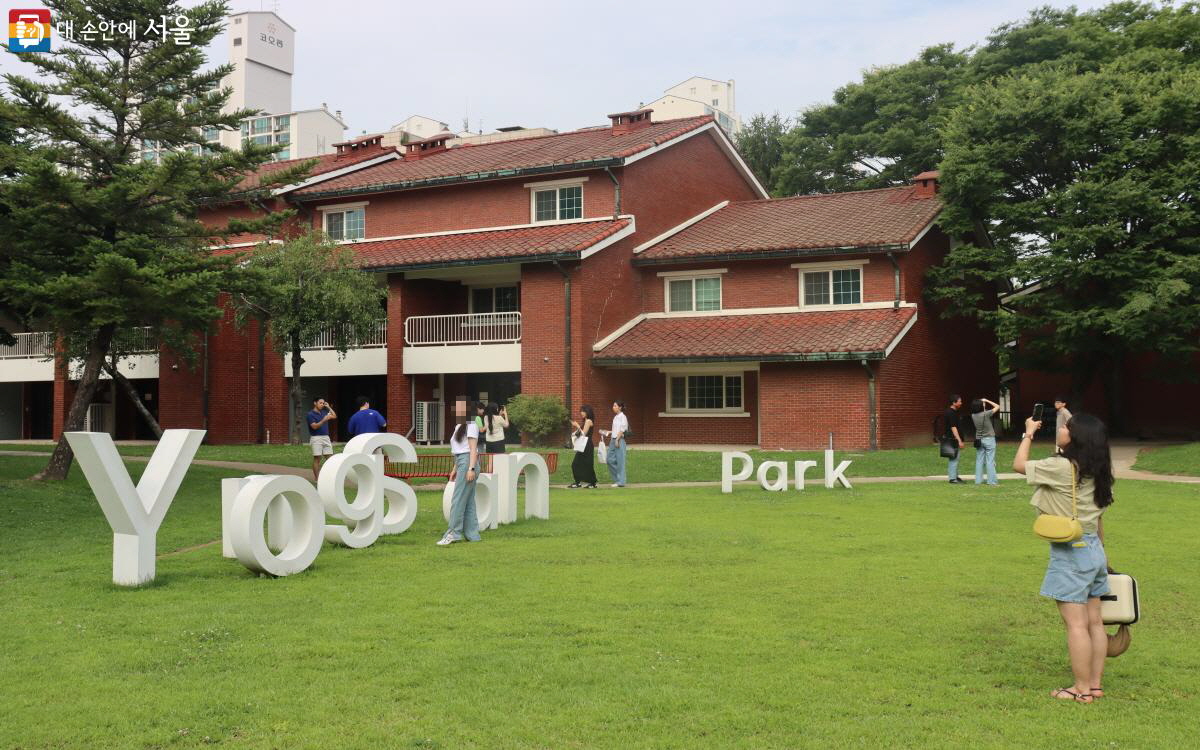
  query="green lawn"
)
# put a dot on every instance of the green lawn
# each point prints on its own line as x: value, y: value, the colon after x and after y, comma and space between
x: 643, y: 465
x: 1171, y: 459
x: 899, y: 615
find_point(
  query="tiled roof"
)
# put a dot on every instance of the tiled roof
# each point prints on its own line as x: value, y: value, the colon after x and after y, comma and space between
x: 324, y: 163
x: 499, y: 157
x: 798, y: 336
x: 778, y: 226
x: 554, y: 240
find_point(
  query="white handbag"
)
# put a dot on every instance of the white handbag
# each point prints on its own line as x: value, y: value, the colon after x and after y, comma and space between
x: 1120, y: 605
x: 580, y: 443
x: 602, y: 452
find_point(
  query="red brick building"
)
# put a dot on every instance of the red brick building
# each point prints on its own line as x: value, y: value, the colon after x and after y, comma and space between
x: 638, y: 261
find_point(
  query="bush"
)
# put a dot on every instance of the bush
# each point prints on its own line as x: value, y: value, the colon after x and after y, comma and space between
x: 542, y: 418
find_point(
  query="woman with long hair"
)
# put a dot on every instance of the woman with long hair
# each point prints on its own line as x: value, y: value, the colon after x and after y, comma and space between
x: 495, y: 421
x: 982, y: 412
x: 464, y: 444
x: 616, y: 444
x: 583, y: 466
x: 1077, y: 481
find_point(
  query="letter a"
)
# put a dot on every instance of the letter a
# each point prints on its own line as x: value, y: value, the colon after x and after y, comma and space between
x: 134, y: 513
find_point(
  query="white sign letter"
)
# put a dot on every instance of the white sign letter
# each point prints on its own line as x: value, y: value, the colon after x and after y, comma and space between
x: 401, y: 501
x: 134, y: 513
x: 302, y: 540
x: 838, y: 474
x: 801, y: 468
x: 780, y: 482
x: 727, y: 475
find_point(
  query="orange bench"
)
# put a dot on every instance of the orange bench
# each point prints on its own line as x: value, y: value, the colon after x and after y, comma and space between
x: 432, y: 465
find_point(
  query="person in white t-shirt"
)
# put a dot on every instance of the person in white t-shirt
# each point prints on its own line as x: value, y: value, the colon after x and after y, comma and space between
x: 616, y: 444
x: 464, y: 444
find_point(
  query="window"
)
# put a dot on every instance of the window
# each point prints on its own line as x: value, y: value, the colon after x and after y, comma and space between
x: 716, y: 102
x: 488, y: 299
x: 262, y: 125
x: 693, y: 90
x: 694, y: 294
x: 283, y: 138
x: 835, y: 286
x: 245, y: 128
x: 283, y: 122
x: 283, y: 155
x: 558, y: 203
x: 350, y: 224
x: 237, y: 41
x: 704, y: 393
x: 211, y: 134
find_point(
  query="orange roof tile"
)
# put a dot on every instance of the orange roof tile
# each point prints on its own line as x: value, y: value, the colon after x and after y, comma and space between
x: 324, y: 163
x: 481, y: 161
x: 784, y: 226
x: 559, y: 241
x: 774, y: 337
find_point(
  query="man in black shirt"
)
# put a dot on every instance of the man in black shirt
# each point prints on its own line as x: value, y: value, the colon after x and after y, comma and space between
x: 953, y: 432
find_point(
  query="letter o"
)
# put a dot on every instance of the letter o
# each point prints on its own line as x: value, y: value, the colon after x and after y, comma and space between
x: 303, y: 539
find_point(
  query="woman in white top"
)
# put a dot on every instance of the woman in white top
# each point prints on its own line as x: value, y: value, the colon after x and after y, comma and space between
x: 495, y: 421
x: 464, y: 444
x: 616, y: 444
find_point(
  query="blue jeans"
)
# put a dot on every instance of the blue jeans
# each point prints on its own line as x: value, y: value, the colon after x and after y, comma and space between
x: 616, y: 461
x: 463, y: 521
x: 986, y: 454
x: 952, y: 469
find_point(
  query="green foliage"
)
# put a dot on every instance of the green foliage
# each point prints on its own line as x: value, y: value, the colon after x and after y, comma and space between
x: 542, y: 418
x: 305, y: 287
x: 665, y: 618
x: 760, y: 144
x: 888, y: 127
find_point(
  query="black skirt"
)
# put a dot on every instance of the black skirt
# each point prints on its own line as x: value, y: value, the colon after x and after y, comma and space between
x: 583, y: 466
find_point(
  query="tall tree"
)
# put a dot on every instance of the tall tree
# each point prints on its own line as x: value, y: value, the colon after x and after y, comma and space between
x: 305, y: 288
x: 97, y: 240
x: 889, y: 126
x: 760, y: 143
x: 1087, y: 183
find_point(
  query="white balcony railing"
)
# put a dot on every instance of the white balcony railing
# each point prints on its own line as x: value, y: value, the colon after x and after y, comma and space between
x: 38, y: 345
x: 138, y: 341
x: 377, y: 338
x: 481, y: 328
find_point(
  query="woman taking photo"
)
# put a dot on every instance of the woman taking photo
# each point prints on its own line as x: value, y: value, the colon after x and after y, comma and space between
x: 1077, y: 575
x: 583, y: 466
x: 464, y: 444
x: 982, y: 412
x: 495, y: 421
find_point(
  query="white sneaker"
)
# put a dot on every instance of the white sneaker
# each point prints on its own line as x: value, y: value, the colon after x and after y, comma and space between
x: 616, y: 486
x: 448, y: 539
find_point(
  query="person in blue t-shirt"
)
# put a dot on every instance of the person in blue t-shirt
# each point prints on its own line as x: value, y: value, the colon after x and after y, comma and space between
x: 318, y: 433
x: 366, y: 419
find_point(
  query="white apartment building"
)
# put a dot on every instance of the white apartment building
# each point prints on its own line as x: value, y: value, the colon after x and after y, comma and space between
x: 699, y: 96
x: 262, y: 50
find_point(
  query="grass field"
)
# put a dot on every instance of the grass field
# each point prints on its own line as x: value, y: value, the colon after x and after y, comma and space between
x: 643, y: 465
x: 898, y: 615
x: 1171, y: 459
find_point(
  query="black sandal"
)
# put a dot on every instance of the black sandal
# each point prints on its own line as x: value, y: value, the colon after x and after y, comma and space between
x: 1077, y: 697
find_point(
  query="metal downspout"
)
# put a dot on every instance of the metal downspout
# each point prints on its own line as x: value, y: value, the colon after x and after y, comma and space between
x: 896, y: 277
x: 616, y: 192
x: 872, y: 411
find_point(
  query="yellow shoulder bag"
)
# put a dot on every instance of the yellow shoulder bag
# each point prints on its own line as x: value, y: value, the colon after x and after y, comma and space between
x: 1060, y: 528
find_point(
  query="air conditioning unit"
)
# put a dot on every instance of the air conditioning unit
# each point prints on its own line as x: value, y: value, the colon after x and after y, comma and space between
x: 427, y: 421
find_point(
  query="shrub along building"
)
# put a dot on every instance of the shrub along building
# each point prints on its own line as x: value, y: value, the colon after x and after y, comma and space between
x: 639, y: 261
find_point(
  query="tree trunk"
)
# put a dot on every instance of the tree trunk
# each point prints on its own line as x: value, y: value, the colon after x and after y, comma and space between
x: 60, y: 459
x: 297, y: 394
x: 132, y: 393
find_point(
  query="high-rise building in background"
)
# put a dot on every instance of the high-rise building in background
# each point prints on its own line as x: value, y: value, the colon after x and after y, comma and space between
x: 699, y: 96
x: 262, y: 50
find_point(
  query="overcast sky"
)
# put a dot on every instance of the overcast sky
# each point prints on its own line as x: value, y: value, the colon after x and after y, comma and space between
x: 565, y: 65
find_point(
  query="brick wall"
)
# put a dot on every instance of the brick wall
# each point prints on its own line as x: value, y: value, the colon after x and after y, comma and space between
x: 651, y: 401
x: 803, y: 402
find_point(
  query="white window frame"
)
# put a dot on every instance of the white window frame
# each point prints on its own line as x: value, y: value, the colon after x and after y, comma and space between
x: 850, y: 265
x: 556, y: 186
x: 342, y: 208
x: 735, y: 411
x: 693, y: 276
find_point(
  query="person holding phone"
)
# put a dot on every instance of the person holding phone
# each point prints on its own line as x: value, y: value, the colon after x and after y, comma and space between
x: 1078, y: 481
x: 464, y: 445
x: 318, y: 434
x: 982, y: 412
x: 495, y: 421
x: 583, y: 465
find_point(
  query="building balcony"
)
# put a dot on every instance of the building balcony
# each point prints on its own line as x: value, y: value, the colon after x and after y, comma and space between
x: 31, y: 358
x: 366, y: 355
x: 473, y: 343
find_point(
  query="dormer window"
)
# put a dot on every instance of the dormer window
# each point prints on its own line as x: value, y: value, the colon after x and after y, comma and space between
x: 345, y: 222
x: 556, y: 200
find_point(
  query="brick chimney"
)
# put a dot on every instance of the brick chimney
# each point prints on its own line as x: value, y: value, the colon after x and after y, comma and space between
x: 347, y: 148
x: 427, y: 147
x: 627, y: 122
x: 926, y: 183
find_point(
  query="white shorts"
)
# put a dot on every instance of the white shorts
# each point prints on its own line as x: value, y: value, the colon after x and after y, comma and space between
x: 321, y: 446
